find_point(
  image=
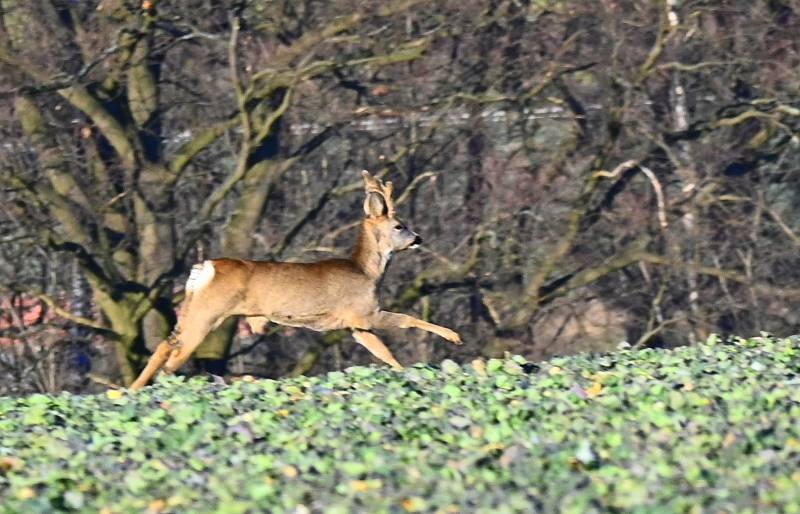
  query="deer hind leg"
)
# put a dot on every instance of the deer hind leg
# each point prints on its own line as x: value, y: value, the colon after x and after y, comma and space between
x: 193, y: 331
x: 196, y: 321
x: 159, y: 357
x: 174, y: 351
x: 376, y: 347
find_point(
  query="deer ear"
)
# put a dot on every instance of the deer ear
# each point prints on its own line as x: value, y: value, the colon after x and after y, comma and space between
x: 375, y: 205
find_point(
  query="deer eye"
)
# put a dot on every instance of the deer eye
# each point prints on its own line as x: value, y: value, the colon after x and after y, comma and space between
x: 398, y: 227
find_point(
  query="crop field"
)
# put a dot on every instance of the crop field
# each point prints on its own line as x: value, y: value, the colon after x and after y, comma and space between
x: 711, y: 428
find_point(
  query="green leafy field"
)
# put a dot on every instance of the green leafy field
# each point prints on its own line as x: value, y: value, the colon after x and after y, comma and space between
x: 714, y: 428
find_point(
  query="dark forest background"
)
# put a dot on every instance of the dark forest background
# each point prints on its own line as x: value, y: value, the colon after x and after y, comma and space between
x: 583, y: 173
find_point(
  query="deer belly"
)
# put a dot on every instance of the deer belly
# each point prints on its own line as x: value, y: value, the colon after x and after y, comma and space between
x: 318, y: 322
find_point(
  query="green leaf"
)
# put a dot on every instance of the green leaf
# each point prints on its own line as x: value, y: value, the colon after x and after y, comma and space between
x: 452, y: 390
x: 73, y: 499
x: 668, y: 431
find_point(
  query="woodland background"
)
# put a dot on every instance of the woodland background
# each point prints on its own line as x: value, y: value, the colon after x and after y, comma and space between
x: 582, y: 173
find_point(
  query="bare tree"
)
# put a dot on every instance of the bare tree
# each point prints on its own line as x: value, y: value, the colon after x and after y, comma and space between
x: 110, y: 185
x: 601, y: 171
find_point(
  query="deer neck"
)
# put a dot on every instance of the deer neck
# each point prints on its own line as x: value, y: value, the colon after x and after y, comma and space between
x: 368, y: 256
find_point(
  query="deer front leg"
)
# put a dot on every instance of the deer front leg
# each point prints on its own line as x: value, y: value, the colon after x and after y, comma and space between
x: 376, y: 347
x: 386, y: 319
x: 257, y: 323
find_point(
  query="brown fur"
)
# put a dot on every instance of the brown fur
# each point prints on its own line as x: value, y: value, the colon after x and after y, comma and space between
x: 325, y: 295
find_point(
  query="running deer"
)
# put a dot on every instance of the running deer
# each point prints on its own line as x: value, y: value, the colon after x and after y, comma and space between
x: 325, y: 295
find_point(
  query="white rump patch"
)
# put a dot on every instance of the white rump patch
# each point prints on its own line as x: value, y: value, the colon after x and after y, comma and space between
x: 200, y: 276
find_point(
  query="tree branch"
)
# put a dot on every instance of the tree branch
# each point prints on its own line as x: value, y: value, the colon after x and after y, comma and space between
x: 79, y: 320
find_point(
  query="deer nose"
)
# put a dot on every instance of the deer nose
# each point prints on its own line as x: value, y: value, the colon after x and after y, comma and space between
x: 417, y: 241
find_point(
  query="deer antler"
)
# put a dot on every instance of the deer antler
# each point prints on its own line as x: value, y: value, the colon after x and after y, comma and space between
x: 375, y: 185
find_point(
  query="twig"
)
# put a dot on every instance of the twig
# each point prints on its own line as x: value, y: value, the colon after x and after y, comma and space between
x: 662, y: 213
x: 625, y: 166
x: 772, y: 214
x: 406, y: 194
x: 104, y: 381
x: 653, y: 331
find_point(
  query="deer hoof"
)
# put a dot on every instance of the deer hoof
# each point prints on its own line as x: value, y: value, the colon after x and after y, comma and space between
x: 452, y: 336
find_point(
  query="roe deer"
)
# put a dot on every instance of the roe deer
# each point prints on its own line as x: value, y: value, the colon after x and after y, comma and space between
x: 325, y: 295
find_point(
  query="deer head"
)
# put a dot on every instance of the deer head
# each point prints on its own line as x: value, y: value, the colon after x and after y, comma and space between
x: 391, y: 234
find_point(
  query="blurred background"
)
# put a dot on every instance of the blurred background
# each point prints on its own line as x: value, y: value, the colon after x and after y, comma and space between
x: 583, y: 173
